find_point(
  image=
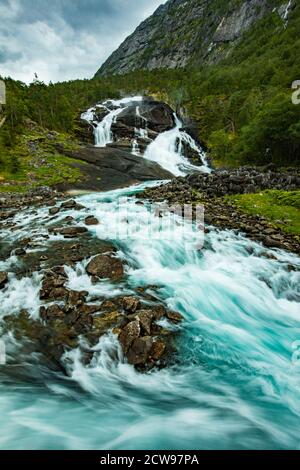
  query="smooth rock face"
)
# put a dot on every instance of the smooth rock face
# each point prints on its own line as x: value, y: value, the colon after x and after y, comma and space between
x: 180, y: 32
x: 105, y: 267
x: 111, y: 168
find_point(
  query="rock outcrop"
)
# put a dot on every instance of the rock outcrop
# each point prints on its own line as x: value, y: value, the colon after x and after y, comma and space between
x: 183, y: 32
x: 112, y: 168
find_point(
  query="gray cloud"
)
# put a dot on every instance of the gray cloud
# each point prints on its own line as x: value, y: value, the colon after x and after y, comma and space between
x: 64, y: 39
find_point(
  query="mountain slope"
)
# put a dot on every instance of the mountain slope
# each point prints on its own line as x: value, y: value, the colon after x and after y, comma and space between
x: 182, y: 32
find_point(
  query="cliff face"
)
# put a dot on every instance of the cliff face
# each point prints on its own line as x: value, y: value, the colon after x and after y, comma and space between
x: 182, y: 32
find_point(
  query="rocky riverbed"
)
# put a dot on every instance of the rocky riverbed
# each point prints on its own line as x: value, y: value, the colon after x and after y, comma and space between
x: 210, y: 190
x: 69, y: 317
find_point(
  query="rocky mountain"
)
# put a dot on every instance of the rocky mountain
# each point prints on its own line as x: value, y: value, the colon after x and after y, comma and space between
x: 184, y: 32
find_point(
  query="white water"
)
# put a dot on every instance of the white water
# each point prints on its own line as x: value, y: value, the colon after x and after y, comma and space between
x: 166, y: 151
x: 135, y: 147
x: 287, y: 10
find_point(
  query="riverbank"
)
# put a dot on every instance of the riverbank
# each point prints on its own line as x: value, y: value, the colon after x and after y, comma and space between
x: 220, y: 193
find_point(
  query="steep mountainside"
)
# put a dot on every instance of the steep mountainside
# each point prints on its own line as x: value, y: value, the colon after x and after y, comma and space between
x: 183, y: 32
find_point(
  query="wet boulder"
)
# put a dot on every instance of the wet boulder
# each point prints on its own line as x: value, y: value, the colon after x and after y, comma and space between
x: 53, y: 286
x: 3, y: 279
x: 52, y: 312
x: 54, y: 210
x: 140, y: 350
x: 91, y: 220
x: 84, y: 131
x: 129, y: 334
x: 105, y: 267
x: 70, y: 232
x: 20, y: 252
x: 72, y: 204
x: 131, y: 304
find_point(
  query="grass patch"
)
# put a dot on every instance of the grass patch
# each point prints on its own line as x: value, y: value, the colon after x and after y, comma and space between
x: 35, y: 160
x: 281, y: 208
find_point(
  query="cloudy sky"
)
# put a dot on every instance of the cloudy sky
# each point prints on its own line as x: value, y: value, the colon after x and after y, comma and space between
x: 64, y: 39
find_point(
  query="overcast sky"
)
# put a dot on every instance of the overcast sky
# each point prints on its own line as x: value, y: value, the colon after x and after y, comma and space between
x: 64, y: 39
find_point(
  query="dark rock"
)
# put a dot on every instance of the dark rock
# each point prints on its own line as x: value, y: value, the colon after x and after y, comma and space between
x: 110, y: 168
x: 174, y: 316
x: 3, y: 279
x: 84, y: 131
x: 77, y: 297
x: 54, y: 210
x: 69, y: 204
x: 158, y: 350
x: 131, y: 332
x: 71, y: 232
x: 105, y: 267
x: 106, y: 321
x: 91, y: 220
x: 131, y: 304
x: 20, y: 252
x: 56, y: 293
x: 145, y: 318
x: 52, y: 312
x: 140, y: 350
x: 158, y: 116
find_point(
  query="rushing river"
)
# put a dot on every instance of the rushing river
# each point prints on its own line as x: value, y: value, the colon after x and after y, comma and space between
x: 235, y: 383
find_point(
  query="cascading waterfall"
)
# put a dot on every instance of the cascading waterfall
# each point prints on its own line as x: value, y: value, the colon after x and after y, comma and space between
x: 135, y: 144
x: 167, y: 150
x: 139, y: 133
x: 103, y: 134
x: 102, y: 130
x: 143, y: 131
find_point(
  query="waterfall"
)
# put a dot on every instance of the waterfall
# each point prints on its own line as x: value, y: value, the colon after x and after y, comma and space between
x: 135, y: 145
x: 102, y: 129
x: 167, y: 150
x: 103, y: 134
x: 143, y: 131
x: 139, y: 132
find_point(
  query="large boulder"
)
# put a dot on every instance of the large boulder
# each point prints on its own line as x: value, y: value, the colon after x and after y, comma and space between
x: 109, y: 168
x: 105, y: 267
